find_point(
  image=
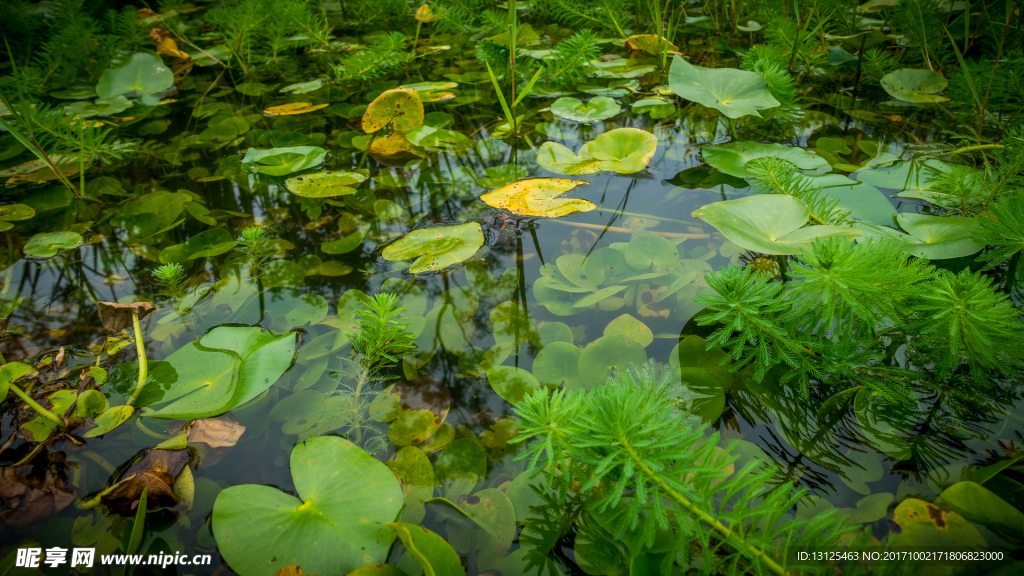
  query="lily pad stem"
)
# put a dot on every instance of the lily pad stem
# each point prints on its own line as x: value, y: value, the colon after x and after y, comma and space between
x: 36, y: 406
x: 140, y: 346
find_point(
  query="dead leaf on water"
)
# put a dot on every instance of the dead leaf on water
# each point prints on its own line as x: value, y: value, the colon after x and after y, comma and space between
x: 29, y: 502
x: 216, y: 432
x: 538, y: 197
x: 293, y: 108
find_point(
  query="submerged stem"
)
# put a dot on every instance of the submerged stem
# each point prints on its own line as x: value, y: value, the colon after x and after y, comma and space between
x: 36, y: 406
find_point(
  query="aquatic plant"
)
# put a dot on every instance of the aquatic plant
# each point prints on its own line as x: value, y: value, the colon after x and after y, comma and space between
x: 254, y: 244
x: 643, y: 468
x: 171, y: 279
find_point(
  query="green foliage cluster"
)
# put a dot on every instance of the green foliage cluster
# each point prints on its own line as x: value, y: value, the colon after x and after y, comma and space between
x: 846, y: 302
x: 659, y: 483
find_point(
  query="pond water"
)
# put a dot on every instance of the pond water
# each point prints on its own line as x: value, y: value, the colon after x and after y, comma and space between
x: 507, y: 318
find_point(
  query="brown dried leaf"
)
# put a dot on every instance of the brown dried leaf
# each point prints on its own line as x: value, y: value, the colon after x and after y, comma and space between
x: 30, y: 502
x: 216, y: 432
x: 156, y: 472
x: 116, y: 317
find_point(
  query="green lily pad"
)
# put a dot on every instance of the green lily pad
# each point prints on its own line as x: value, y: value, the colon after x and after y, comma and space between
x: 284, y: 161
x: 557, y: 364
x: 423, y: 405
x: 645, y: 250
x: 14, y: 212
x: 399, y: 106
x: 732, y: 158
x: 11, y: 372
x: 434, y: 137
x: 770, y: 224
x: 628, y: 326
x: 436, y: 248
x: 623, y: 150
x: 864, y: 202
x: 463, y: 458
x: 708, y: 387
x: 335, y: 525
x: 657, y: 108
x: 908, y: 176
x: 431, y: 552
x: 212, y: 242
x: 234, y: 365
x: 735, y: 93
x: 912, y: 85
x: 607, y: 266
x: 512, y: 384
x: 47, y: 244
x: 324, y: 184
x: 538, y: 197
x: 552, y: 332
x: 108, y: 420
x: 981, y: 506
x: 575, y: 110
x: 144, y: 74
x: 869, y: 508
x: 940, y: 237
x: 607, y: 353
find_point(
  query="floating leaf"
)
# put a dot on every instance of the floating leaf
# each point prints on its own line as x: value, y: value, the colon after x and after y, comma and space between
x: 284, y: 161
x: 623, y: 150
x: 143, y: 75
x: 557, y: 364
x: 575, y: 110
x: 335, y: 525
x: 324, y: 184
x: 538, y: 197
x: 649, y: 44
x: 732, y: 158
x: 607, y: 353
x: 293, y: 108
x: 628, y: 326
x: 645, y: 250
x: 399, y: 106
x: 431, y: 552
x: 912, y: 85
x: 436, y: 248
x: 512, y: 384
x: 940, y: 237
x: 770, y: 224
x: 463, y: 458
x: 925, y: 524
x: 432, y: 91
x: 433, y: 137
x: 735, y: 93
x: 981, y: 506
x: 47, y: 244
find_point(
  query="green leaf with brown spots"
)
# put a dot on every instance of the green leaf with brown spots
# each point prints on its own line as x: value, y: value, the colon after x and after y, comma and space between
x: 399, y: 106
x: 336, y: 525
x: 436, y: 248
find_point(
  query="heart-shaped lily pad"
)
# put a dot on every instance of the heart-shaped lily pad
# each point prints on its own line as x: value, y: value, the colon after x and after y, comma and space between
x: 770, y: 224
x: 732, y: 158
x: 538, y: 197
x: 143, y: 75
x: 324, y: 184
x: 13, y: 212
x: 436, y: 248
x: 575, y: 110
x: 557, y: 364
x: 623, y: 150
x: 940, y: 237
x: 735, y: 93
x: 336, y: 525
x: 913, y: 85
x: 47, y: 244
x: 399, y: 106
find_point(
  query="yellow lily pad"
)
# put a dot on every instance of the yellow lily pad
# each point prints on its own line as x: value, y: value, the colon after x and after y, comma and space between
x: 399, y: 106
x: 538, y: 197
x: 293, y: 108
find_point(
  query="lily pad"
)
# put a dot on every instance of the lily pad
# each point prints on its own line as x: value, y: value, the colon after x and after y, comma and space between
x: 399, y: 106
x: 575, y: 110
x: 294, y: 108
x: 732, y: 158
x: 463, y: 458
x: 557, y: 364
x: 436, y: 248
x: 940, y: 237
x: 512, y: 384
x: 913, y: 85
x: 623, y: 150
x: 14, y: 212
x: 431, y: 552
x: 434, y: 137
x: 770, y: 224
x: 143, y: 75
x: 324, y: 184
x: 735, y: 93
x: 47, y: 244
x: 645, y: 250
x: 983, y: 507
x: 925, y: 524
x: 607, y: 353
x: 337, y: 523
x: 538, y: 197
x: 629, y: 326
x: 284, y: 161
x: 232, y: 366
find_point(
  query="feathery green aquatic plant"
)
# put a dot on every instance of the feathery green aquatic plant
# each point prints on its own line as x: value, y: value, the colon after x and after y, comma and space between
x: 171, y: 279
x: 254, y: 244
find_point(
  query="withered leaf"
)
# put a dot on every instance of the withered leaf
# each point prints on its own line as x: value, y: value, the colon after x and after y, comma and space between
x: 29, y: 502
x: 116, y: 317
x: 155, y: 471
x: 215, y: 432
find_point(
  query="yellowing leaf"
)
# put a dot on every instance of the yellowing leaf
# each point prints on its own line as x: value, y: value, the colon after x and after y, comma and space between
x: 423, y: 14
x: 292, y: 108
x: 401, y: 106
x: 649, y: 44
x: 538, y: 197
